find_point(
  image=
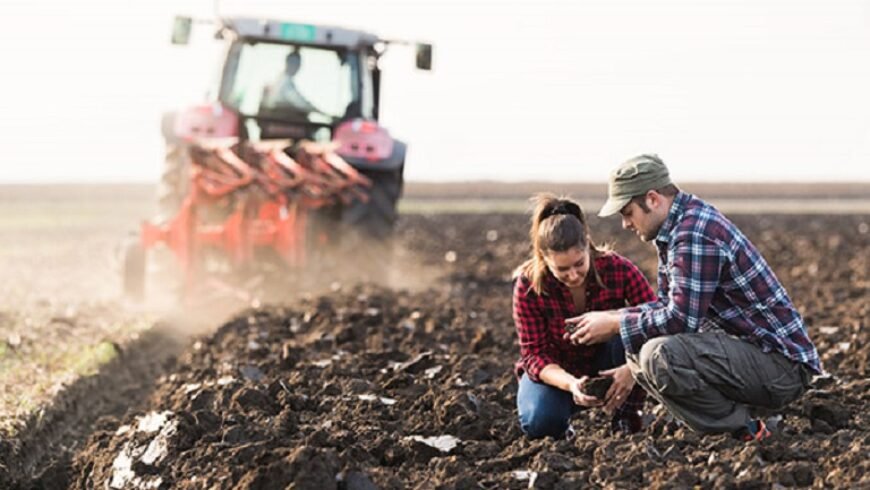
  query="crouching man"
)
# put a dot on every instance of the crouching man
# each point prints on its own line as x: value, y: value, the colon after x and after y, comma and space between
x: 723, y: 335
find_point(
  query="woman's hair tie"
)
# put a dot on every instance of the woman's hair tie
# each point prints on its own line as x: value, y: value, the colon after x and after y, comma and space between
x: 562, y: 207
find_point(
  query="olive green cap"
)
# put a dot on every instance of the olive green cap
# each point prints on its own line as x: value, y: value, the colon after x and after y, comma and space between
x: 634, y: 178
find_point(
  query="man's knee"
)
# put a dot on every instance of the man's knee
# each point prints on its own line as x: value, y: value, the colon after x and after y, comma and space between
x: 653, y: 361
x: 540, y: 421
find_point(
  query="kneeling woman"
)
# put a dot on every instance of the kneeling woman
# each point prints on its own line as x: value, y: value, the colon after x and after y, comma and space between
x: 565, y: 277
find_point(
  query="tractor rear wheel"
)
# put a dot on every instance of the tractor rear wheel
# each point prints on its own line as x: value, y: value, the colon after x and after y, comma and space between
x: 174, y: 181
x: 369, y: 227
x: 376, y: 218
x: 134, y: 270
x: 175, y: 176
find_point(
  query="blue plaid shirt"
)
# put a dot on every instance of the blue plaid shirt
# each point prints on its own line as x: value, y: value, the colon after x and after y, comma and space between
x: 711, y: 276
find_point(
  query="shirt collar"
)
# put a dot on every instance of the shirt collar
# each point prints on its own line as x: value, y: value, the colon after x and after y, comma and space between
x: 674, y: 214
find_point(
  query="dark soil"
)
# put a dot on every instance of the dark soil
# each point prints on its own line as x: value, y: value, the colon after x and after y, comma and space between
x: 370, y: 387
x: 598, y: 386
x: 41, y: 453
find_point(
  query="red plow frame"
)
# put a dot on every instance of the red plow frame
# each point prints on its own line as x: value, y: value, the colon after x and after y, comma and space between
x: 265, y: 197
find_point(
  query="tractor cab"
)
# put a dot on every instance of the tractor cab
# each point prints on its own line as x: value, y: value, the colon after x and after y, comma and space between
x: 298, y: 81
x: 296, y: 91
x: 292, y: 80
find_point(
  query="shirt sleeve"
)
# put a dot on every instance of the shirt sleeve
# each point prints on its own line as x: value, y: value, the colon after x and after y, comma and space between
x: 695, y: 265
x: 531, y: 323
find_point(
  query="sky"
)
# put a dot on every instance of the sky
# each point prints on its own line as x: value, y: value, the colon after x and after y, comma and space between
x: 727, y: 90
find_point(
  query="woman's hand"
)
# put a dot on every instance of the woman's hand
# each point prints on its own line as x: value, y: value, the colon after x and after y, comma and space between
x: 623, y: 382
x: 595, y: 327
x: 580, y: 398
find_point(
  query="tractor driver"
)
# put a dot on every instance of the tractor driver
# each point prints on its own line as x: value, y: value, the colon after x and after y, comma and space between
x: 283, y: 95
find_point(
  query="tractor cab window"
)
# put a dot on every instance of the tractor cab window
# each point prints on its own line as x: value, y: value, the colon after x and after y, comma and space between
x: 295, y: 83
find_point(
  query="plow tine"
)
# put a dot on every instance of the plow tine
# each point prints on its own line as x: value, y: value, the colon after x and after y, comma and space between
x: 299, y: 174
x: 220, y: 171
x: 353, y: 174
x: 236, y: 163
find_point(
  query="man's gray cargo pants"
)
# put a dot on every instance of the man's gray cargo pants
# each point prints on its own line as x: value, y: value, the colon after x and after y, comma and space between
x: 709, y: 380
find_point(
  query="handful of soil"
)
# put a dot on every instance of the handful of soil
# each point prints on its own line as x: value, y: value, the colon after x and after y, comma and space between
x: 597, y: 386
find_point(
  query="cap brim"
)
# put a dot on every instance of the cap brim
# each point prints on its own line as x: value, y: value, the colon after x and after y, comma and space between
x: 613, y: 206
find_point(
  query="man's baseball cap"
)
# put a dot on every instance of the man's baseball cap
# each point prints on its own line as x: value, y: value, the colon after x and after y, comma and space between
x: 634, y: 178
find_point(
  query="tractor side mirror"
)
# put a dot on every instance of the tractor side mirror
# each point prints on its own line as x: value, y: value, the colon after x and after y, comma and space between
x: 181, y: 30
x: 424, y: 56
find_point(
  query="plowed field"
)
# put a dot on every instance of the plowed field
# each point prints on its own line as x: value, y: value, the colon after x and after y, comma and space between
x: 370, y: 386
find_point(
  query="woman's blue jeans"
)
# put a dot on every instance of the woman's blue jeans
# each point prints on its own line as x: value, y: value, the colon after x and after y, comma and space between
x: 545, y: 410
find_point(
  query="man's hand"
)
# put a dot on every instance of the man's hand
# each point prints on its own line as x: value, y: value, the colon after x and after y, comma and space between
x: 595, y: 327
x: 580, y: 398
x: 623, y: 382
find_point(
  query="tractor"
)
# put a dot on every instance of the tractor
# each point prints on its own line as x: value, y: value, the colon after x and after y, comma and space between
x: 287, y: 160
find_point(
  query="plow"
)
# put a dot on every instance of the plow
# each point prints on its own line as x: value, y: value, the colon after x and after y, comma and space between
x: 288, y: 160
x: 244, y: 197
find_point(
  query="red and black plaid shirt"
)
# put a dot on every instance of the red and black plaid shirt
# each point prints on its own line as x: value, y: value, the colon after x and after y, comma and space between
x: 540, y: 319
